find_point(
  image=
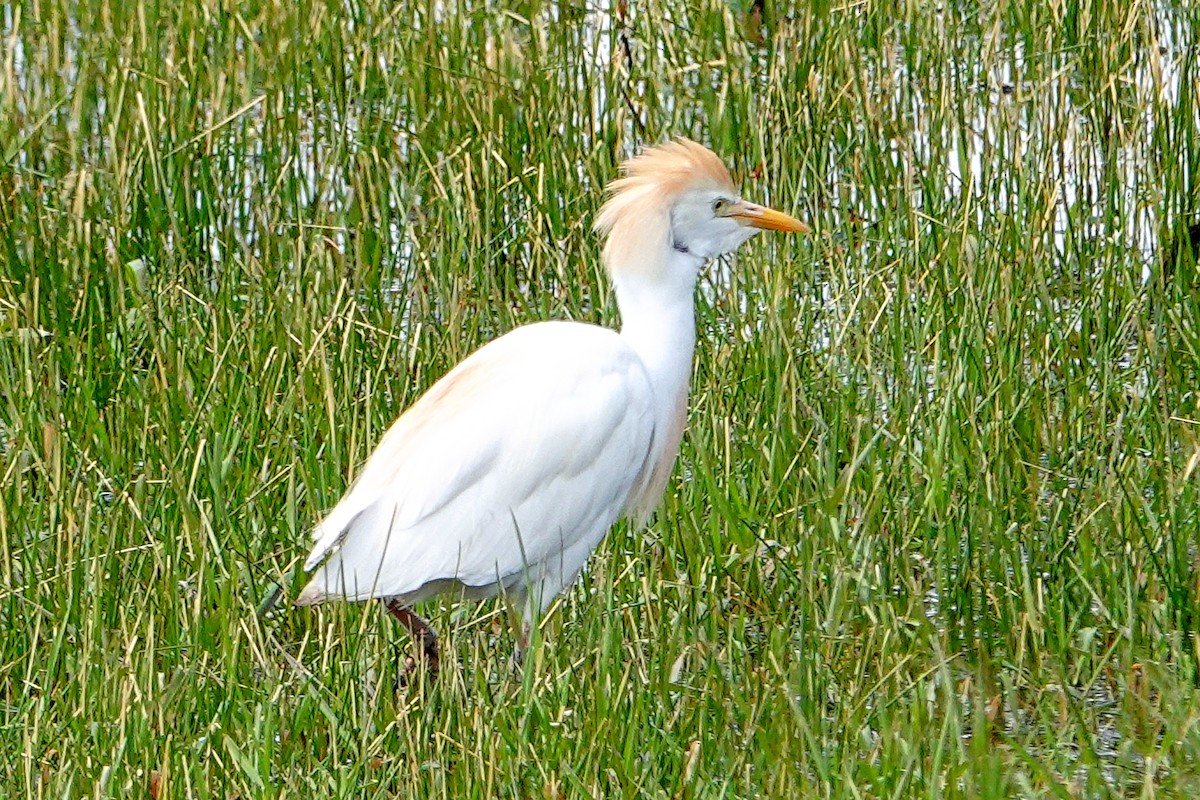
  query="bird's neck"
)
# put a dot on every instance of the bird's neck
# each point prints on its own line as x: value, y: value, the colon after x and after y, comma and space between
x: 658, y: 320
x: 659, y: 323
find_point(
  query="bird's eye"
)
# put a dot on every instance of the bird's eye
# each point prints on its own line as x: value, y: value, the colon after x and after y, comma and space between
x: 719, y: 205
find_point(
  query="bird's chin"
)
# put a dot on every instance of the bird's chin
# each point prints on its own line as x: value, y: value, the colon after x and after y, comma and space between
x: 744, y: 235
x: 730, y: 242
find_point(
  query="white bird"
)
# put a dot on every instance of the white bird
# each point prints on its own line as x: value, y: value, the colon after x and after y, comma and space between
x: 506, y: 475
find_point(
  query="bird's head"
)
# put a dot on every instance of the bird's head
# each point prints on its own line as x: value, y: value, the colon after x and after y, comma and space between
x: 678, y: 198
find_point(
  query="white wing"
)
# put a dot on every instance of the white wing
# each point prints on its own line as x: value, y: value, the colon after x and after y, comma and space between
x: 513, y: 466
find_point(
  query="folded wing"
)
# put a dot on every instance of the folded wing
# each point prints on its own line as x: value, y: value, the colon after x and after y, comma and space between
x: 511, y: 468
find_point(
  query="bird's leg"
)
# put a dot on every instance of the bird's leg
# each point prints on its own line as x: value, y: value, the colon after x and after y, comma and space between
x: 522, y: 629
x: 421, y: 632
x: 522, y: 626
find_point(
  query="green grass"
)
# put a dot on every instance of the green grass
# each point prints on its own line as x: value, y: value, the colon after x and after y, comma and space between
x: 933, y: 532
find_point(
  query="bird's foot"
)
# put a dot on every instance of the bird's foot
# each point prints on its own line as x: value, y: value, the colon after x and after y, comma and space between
x: 411, y: 671
x: 429, y: 660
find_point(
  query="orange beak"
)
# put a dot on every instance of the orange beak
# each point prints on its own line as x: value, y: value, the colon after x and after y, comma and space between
x: 767, y: 219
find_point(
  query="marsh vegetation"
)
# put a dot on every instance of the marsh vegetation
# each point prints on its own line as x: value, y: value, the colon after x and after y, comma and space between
x: 934, y: 527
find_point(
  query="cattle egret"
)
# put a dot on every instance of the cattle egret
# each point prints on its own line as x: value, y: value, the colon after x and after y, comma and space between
x: 507, y: 473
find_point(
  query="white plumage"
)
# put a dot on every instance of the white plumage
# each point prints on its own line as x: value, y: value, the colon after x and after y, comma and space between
x: 508, y: 472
